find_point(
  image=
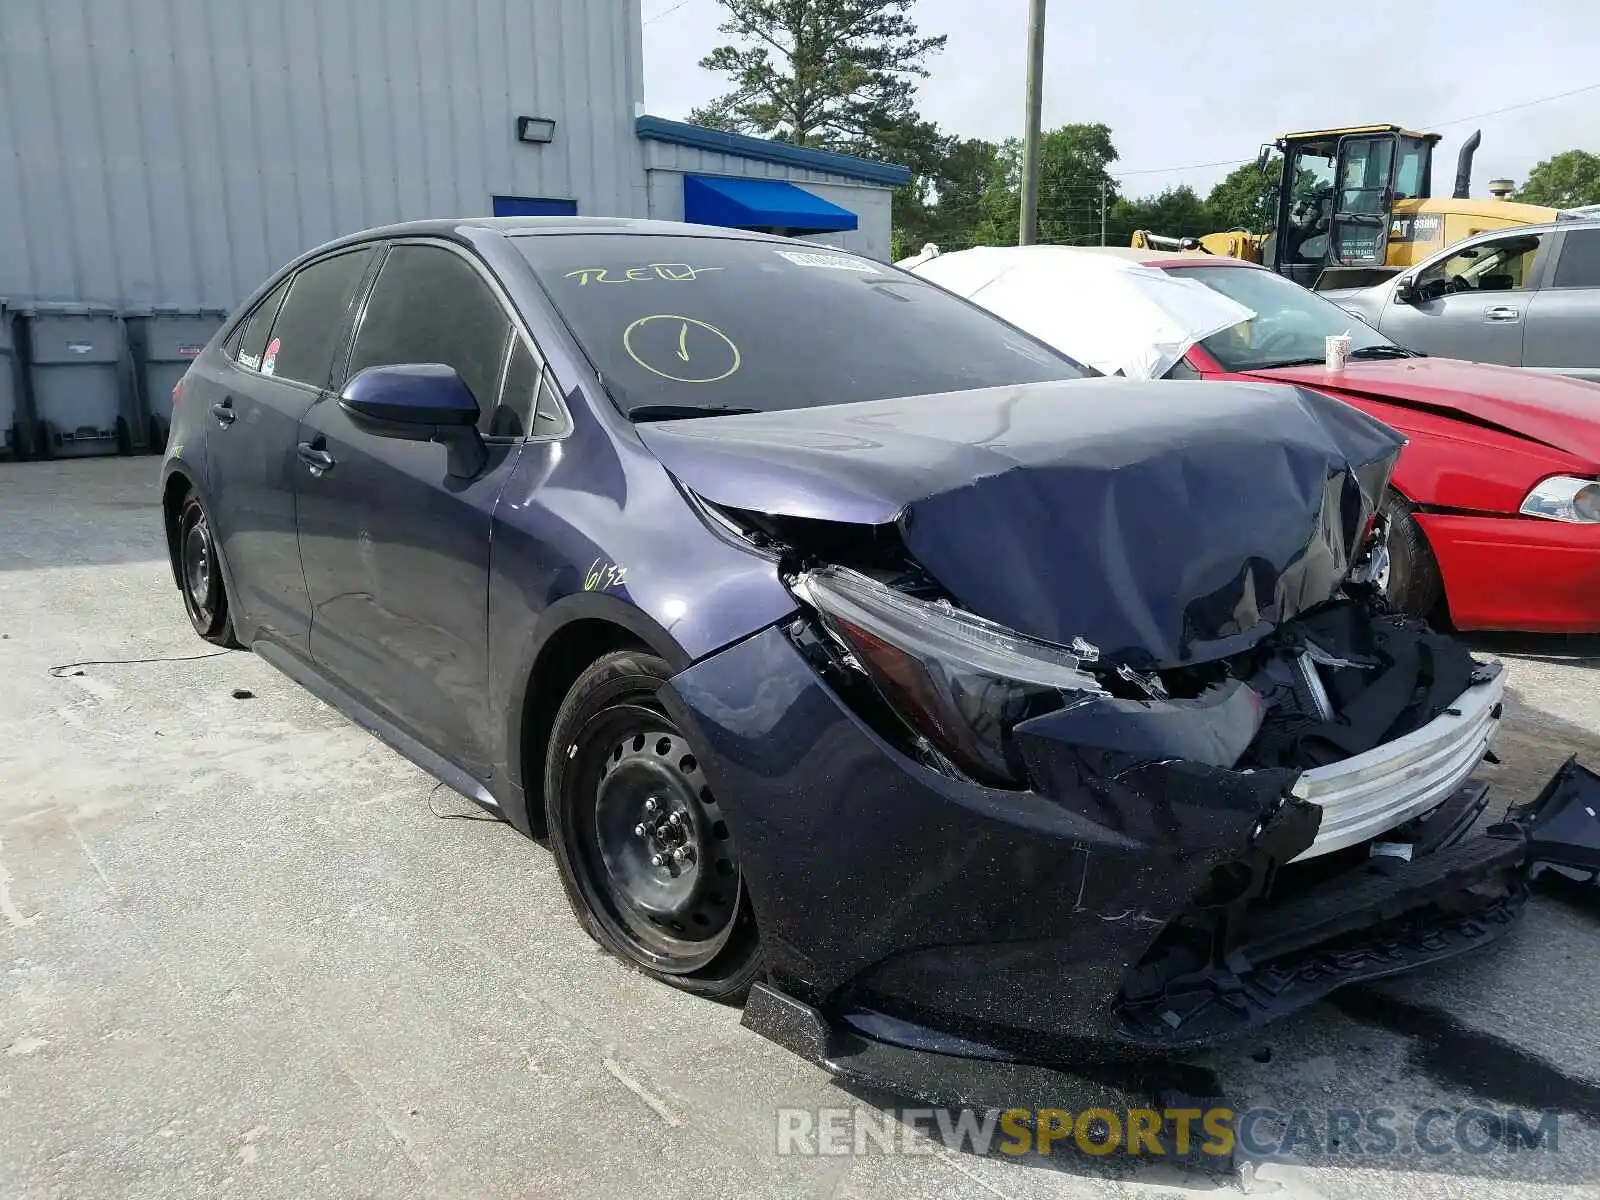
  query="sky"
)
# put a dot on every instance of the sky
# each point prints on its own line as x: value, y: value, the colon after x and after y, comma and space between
x: 1181, y: 87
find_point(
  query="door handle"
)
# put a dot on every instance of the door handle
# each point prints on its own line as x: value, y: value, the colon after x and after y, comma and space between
x: 317, y: 460
x: 1501, y: 312
x: 224, y: 413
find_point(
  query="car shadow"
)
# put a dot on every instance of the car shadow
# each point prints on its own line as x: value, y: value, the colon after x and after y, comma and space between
x: 1566, y: 649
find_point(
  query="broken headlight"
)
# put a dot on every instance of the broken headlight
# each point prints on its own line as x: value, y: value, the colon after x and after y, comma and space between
x: 1565, y: 498
x: 956, y: 679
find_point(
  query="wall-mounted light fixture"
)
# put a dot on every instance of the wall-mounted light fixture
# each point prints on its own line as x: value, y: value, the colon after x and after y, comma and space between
x: 535, y: 129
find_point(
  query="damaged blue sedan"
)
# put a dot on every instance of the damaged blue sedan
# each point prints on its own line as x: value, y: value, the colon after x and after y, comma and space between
x: 854, y: 651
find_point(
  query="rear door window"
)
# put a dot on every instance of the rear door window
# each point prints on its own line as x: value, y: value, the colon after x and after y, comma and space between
x: 311, y: 323
x: 430, y: 305
x: 257, y: 328
x: 1580, y: 260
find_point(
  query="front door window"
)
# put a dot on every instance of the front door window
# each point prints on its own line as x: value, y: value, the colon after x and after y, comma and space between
x: 1503, y: 265
x: 1309, y: 177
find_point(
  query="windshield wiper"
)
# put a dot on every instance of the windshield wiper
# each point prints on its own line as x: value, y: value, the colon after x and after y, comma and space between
x: 1274, y: 364
x: 1384, y: 352
x: 678, y: 412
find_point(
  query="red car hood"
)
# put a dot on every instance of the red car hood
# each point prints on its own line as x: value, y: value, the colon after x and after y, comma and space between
x: 1555, y: 410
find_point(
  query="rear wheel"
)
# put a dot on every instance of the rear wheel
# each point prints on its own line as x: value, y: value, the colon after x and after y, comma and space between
x: 1412, y: 582
x: 205, y: 596
x: 644, y: 853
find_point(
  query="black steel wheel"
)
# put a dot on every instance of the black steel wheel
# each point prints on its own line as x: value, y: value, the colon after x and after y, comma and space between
x: 1411, y: 583
x: 205, y: 596
x: 645, y: 854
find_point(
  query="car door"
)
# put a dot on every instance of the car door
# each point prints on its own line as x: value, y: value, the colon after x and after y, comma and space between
x: 395, y: 549
x: 1563, y: 321
x: 1471, y: 302
x: 279, y: 362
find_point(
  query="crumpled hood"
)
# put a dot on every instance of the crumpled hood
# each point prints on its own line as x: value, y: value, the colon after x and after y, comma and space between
x: 1164, y: 522
x: 1552, y: 409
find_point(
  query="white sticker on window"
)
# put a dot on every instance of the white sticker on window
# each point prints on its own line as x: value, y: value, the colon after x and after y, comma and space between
x: 828, y: 262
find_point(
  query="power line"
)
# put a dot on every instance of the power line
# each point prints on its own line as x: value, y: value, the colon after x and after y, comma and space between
x: 1231, y: 162
x: 666, y: 12
x: 1495, y: 112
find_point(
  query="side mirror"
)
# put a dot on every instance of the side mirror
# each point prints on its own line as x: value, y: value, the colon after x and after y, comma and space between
x: 1405, y: 292
x: 419, y: 402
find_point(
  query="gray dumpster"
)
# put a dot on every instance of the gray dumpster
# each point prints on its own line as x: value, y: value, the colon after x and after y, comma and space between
x: 164, y: 341
x: 76, y: 361
x: 15, y: 430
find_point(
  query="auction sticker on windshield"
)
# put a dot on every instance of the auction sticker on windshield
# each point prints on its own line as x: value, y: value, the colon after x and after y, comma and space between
x: 828, y: 262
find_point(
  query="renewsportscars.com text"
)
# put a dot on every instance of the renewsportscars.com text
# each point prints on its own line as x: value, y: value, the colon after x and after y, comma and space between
x: 1254, y: 1133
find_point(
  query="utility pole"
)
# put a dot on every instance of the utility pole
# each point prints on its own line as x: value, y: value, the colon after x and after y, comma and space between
x: 1028, y: 226
x: 1102, y: 212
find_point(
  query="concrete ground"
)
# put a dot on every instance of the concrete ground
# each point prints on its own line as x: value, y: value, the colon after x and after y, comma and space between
x: 247, y: 950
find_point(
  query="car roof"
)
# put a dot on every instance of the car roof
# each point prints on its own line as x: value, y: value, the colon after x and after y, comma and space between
x: 536, y: 226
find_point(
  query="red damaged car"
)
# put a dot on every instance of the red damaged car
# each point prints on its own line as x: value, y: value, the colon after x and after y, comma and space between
x: 1494, y: 506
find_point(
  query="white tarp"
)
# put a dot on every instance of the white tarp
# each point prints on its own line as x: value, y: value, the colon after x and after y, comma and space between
x: 1109, y: 312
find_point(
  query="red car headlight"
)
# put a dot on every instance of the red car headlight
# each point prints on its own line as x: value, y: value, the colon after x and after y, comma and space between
x: 1565, y: 498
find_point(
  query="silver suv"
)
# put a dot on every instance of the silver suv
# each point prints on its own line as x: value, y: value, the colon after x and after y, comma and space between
x: 1525, y: 297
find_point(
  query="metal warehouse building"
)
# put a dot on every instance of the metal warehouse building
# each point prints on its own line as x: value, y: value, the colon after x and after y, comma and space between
x: 175, y: 152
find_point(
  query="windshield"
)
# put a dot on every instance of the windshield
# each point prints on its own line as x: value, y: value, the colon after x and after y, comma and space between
x: 1290, y: 322
x: 678, y: 326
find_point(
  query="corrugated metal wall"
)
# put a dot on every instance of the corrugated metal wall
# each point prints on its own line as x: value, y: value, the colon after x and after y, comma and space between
x: 176, y: 151
x: 667, y: 164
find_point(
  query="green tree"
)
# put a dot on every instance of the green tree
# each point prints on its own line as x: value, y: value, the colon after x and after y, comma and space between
x: 1073, y: 180
x: 1568, y: 180
x: 1175, y: 212
x: 835, y: 74
x: 1246, y: 198
x: 948, y: 200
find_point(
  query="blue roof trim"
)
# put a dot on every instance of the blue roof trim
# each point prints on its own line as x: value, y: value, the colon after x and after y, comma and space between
x: 681, y: 133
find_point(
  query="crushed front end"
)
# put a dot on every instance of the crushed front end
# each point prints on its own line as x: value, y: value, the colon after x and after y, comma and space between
x: 967, y: 829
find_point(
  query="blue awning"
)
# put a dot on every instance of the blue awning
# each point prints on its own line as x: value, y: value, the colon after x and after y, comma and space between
x: 760, y: 204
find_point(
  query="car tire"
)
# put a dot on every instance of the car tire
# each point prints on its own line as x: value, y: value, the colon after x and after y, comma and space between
x: 1414, y: 585
x: 124, y: 433
x: 643, y: 852
x: 205, y: 594
x: 22, y: 441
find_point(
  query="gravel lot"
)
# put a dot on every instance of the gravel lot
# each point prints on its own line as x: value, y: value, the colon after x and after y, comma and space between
x: 245, y: 949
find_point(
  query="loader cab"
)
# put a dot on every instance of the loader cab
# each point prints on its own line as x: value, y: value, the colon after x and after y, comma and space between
x: 1337, y: 196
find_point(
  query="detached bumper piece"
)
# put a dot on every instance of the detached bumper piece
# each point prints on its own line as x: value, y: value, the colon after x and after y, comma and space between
x: 1389, y: 915
x: 1563, y: 828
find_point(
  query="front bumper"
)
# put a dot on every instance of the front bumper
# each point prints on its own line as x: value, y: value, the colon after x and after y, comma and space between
x: 1520, y: 573
x: 906, y: 907
x: 1369, y: 794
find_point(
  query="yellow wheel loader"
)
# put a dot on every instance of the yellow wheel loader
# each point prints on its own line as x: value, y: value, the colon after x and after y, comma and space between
x: 1354, y: 206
